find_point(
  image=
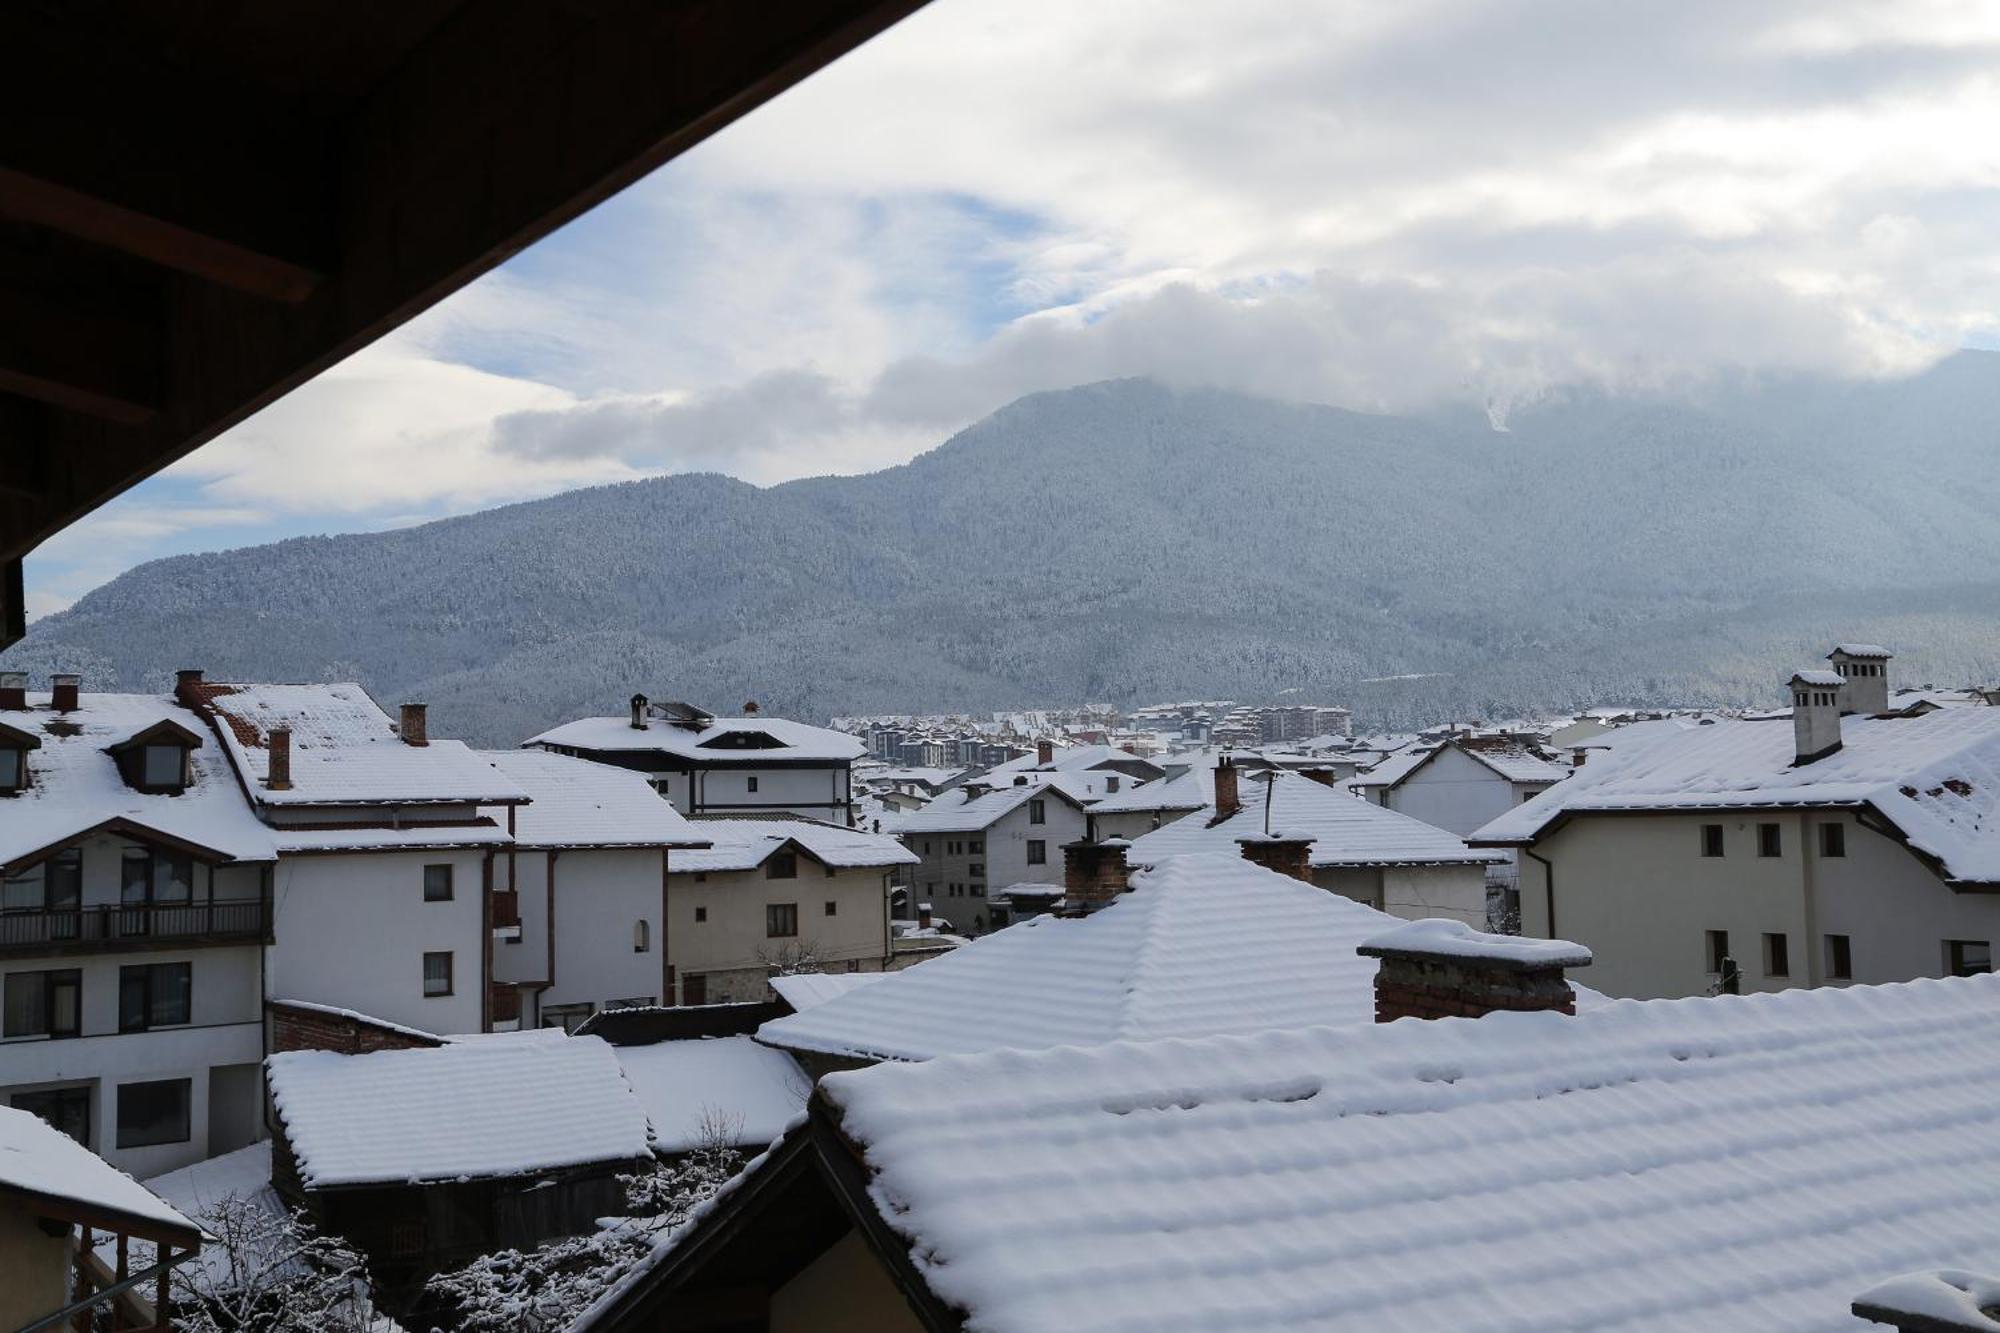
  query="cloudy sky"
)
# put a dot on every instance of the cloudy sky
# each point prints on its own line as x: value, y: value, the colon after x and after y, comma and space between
x: 1373, y: 204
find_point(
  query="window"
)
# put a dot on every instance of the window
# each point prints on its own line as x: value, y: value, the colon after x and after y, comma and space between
x: 54, y: 886
x: 783, y: 865
x: 163, y: 766
x: 1718, y: 949
x: 568, y: 1017
x: 1711, y: 839
x: 977, y: 870
x: 1839, y: 956
x: 1968, y: 958
x: 43, y: 1004
x: 976, y: 890
x: 13, y: 768
x: 1777, y: 956
x: 976, y: 846
x: 1038, y: 852
x: 1770, y: 840
x: 156, y: 878
x: 832, y: 907
x: 1111, y: 786
x: 437, y: 884
x: 781, y: 920
x: 1833, y: 839
x: 700, y: 915
x: 68, y: 1109
x: 437, y: 974
x: 694, y: 988
x: 642, y: 935
x: 150, y: 1113
x: 753, y: 783
x: 23, y: 893
x: 154, y: 996
x: 1038, y: 811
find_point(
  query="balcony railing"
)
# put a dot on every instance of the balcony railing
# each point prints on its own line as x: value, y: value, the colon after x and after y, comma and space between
x: 87, y: 929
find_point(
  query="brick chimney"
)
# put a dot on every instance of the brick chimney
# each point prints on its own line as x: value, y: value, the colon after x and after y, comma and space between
x: 1227, y: 802
x: 1446, y: 969
x: 414, y: 729
x: 187, y: 687
x: 1045, y: 753
x: 1094, y: 874
x: 923, y: 916
x: 1815, y: 714
x: 1323, y: 774
x: 63, y: 689
x: 278, y: 771
x: 1275, y: 851
x: 13, y: 690
x: 639, y: 702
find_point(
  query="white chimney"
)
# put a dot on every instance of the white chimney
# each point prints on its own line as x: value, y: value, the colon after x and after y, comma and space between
x: 1865, y: 669
x: 1815, y: 714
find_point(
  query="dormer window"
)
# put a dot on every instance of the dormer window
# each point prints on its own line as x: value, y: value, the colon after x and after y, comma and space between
x: 159, y: 759
x: 14, y: 747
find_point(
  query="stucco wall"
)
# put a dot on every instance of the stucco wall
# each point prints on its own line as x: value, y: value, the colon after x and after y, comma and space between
x: 600, y: 896
x: 34, y: 1268
x: 1413, y: 892
x: 352, y: 930
x: 845, y: 1290
x: 1636, y: 889
x: 733, y: 938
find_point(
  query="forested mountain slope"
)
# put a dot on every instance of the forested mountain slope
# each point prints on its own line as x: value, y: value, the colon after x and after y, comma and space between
x: 1126, y: 542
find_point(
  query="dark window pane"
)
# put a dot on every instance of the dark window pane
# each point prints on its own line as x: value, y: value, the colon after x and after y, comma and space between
x: 1769, y: 840
x: 173, y: 878
x: 437, y: 974
x: 150, y: 1113
x: 1833, y: 840
x: 163, y: 765
x: 781, y: 920
x: 68, y: 1109
x: 173, y: 993
x: 24, y: 893
x: 783, y: 865
x: 1711, y: 839
x: 27, y: 1010
x: 65, y: 872
x: 437, y: 884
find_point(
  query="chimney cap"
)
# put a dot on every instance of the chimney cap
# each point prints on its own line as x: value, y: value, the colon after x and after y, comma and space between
x: 65, y: 678
x: 1438, y: 937
x: 1825, y: 680
x: 1872, y: 651
x: 13, y: 680
x: 188, y: 673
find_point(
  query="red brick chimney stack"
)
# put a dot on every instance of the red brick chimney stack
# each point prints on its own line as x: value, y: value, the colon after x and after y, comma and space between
x: 923, y: 916
x: 13, y: 690
x: 1045, y: 753
x: 1227, y: 802
x: 1094, y: 874
x: 1446, y: 969
x: 278, y: 771
x: 1275, y: 851
x: 414, y: 729
x: 63, y: 690
x: 187, y: 687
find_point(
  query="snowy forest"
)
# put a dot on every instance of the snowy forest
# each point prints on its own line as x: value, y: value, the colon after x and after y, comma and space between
x: 1125, y: 542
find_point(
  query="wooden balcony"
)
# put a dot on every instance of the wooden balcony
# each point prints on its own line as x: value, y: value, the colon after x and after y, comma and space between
x: 124, y: 929
x: 506, y: 909
x: 505, y: 1001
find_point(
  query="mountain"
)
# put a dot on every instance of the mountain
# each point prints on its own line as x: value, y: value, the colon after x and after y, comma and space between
x: 1126, y: 542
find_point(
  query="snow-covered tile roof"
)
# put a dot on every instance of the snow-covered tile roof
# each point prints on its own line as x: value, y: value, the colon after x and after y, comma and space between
x: 1861, y: 650
x: 345, y: 750
x: 1831, y: 680
x: 1517, y: 763
x: 484, y: 832
x: 1935, y: 777
x: 1189, y: 791
x: 1345, y: 830
x: 719, y: 740
x: 809, y: 990
x: 1391, y: 770
x: 1202, y: 944
x: 717, y: 1086
x: 745, y: 844
x: 1071, y: 759
x: 1637, y: 733
x: 1748, y: 1162
x: 76, y: 786
x: 493, y: 1106
x: 964, y: 811
x: 577, y: 803
x: 37, y: 1158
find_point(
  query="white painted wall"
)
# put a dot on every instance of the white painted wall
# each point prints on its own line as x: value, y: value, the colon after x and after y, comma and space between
x: 1413, y: 893
x: 352, y: 929
x: 731, y: 947
x: 1637, y: 891
x: 1456, y: 792
x: 1003, y: 855
x: 600, y: 894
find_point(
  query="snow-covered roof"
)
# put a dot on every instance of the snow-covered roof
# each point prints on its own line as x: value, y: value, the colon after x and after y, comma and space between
x: 1346, y: 831
x: 345, y: 750
x: 1437, y: 937
x: 1071, y: 759
x: 719, y: 741
x: 577, y: 803
x: 1202, y: 944
x: 1516, y: 763
x: 1749, y: 1162
x: 1189, y: 791
x: 1391, y: 770
x: 1936, y: 778
x: 76, y: 786
x: 493, y: 1106
x: 1860, y: 650
x: 1636, y: 733
x: 809, y: 990
x: 1828, y: 680
x: 40, y: 1161
x: 484, y: 832
x: 729, y: 1087
x: 745, y: 844
x: 961, y: 811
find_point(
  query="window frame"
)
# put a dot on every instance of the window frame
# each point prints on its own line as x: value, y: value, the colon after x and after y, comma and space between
x: 1715, y: 948
x: 1839, y: 958
x: 781, y: 865
x: 1037, y: 851
x: 1038, y: 810
x: 1955, y: 954
x: 450, y: 893
x: 49, y: 981
x: 127, y: 1137
x: 1777, y: 954
x: 1833, y: 840
x: 1770, y: 841
x: 777, y: 916
x: 57, y: 1097
x: 1713, y: 842
x: 832, y: 907
x: 147, y: 979
x: 450, y: 974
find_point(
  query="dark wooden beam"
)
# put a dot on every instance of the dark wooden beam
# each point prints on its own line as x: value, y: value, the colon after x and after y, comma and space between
x: 87, y: 359
x: 25, y: 198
